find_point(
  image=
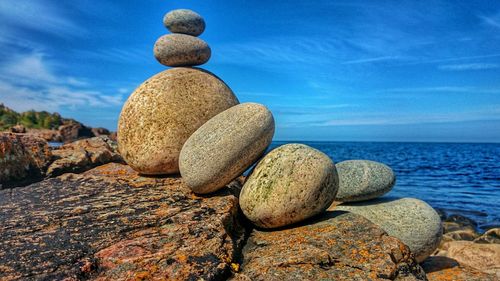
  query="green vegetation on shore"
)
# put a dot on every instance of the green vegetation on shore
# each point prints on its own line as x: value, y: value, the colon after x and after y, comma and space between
x: 30, y: 119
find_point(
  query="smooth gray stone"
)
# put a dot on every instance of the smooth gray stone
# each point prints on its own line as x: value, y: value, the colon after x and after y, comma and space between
x: 225, y: 146
x: 184, y: 21
x: 361, y: 180
x: 410, y: 220
x: 290, y: 184
x: 181, y: 50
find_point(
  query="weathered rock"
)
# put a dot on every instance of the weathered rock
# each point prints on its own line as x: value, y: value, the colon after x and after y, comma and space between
x: 290, y: 184
x: 361, y: 180
x: 23, y: 158
x: 163, y: 112
x: 411, y: 220
x: 109, y: 223
x: 74, y: 131
x: 447, y: 269
x: 483, y: 257
x: 46, y: 134
x: 225, y: 146
x: 492, y: 236
x: 18, y: 129
x: 335, y: 246
x: 184, y: 21
x: 100, y: 132
x: 83, y: 155
x: 181, y: 50
x: 458, y: 222
x: 457, y: 235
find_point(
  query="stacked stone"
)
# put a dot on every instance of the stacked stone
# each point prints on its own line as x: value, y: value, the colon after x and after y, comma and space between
x: 187, y: 120
x: 414, y: 222
x: 163, y: 112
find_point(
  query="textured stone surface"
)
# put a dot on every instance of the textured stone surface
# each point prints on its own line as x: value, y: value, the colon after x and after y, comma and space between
x: 181, y: 50
x: 457, y: 222
x: 291, y: 183
x: 335, y: 246
x: 492, y: 236
x: 22, y: 158
x: 411, y: 220
x: 361, y: 180
x: 83, y: 155
x: 225, y: 146
x: 163, y: 112
x: 109, y: 223
x: 483, y: 257
x: 184, y: 21
x: 446, y: 269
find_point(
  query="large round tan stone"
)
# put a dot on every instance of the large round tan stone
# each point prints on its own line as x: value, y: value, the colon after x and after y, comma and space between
x: 225, y: 146
x: 291, y: 183
x: 163, y: 112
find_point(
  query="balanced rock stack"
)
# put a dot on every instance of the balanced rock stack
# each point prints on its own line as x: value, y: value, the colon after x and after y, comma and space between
x: 411, y: 220
x: 186, y: 120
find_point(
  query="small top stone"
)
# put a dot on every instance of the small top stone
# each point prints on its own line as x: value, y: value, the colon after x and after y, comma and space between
x: 184, y: 21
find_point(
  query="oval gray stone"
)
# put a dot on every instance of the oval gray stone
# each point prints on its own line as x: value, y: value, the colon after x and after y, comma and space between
x: 184, y: 21
x: 290, y: 184
x: 163, y: 112
x: 225, y: 146
x: 181, y: 50
x: 361, y: 180
x: 410, y: 220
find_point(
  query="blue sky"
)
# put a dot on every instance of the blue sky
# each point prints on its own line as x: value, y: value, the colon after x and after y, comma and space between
x: 329, y: 70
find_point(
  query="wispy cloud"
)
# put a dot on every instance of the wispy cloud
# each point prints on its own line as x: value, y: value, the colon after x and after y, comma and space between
x: 469, y: 66
x: 491, y: 21
x: 38, y: 15
x: 30, y: 82
x: 371, y: 60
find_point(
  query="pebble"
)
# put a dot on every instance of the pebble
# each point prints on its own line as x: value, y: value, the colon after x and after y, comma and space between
x: 410, y: 220
x: 290, y: 184
x: 163, y: 112
x: 361, y: 180
x: 225, y: 146
x: 184, y: 21
x: 181, y: 50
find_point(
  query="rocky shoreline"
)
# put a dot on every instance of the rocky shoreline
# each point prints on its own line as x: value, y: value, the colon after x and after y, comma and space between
x: 168, y: 201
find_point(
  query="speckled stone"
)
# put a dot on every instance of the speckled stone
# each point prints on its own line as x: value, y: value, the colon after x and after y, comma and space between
x: 184, y: 21
x: 290, y: 184
x: 162, y: 114
x: 361, y: 180
x: 411, y: 220
x: 181, y: 50
x: 225, y: 146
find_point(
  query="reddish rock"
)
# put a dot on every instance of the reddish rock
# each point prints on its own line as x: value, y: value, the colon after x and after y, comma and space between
x: 46, y: 134
x: 338, y: 246
x: 83, y: 155
x: 492, y: 236
x: 74, y: 131
x: 447, y: 269
x: 19, y: 129
x: 22, y: 157
x: 100, y: 132
x: 109, y: 223
x: 483, y: 257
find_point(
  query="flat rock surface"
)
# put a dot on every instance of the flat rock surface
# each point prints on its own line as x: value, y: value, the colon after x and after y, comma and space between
x: 109, y: 223
x: 336, y: 246
x: 83, y: 155
x: 447, y: 269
